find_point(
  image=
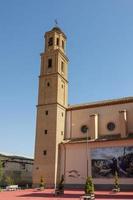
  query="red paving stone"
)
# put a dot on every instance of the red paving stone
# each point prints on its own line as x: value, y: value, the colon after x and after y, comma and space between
x: 47, y: 194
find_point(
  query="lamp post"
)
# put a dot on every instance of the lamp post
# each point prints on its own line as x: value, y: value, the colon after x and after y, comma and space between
x: 87, y: 162
x: 85, y: 130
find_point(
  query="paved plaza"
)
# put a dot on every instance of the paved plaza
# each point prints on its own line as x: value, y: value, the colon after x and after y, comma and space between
x: 47, y: 194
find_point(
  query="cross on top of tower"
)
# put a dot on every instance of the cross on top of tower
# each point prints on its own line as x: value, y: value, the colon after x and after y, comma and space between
x: 56, y: 23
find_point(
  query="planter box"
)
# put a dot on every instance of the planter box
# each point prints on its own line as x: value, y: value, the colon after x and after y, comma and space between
x: 87, y: 197
x: 116, y: 190
x: 11, y: 187
x: 58, y: 192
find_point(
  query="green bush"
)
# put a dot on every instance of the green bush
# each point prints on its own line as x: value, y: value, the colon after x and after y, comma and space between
x: 1, y: 172
x: 89, y: 186
x: 42, y: 183
x: 9, y: 180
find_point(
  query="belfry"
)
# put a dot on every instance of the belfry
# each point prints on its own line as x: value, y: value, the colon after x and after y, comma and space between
x: 51, y: 108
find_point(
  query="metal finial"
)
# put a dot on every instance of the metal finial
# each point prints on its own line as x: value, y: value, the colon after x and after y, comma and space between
x: 56, y: 22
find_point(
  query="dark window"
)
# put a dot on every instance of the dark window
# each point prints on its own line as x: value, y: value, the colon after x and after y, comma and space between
x: 111, y: 126
x: 44, y: 152
x: 84, y: 129
x: 48, y: 84
x: 62, y: 86
x: 62, y: 114
x: 57, y: 41
x: 46, y: 112
x: 62, y: 44
x: 62, y: 66
x: 61, y: 132
x: 49, y: 63
x: 45, y: 131
x: 23, y: 165
x: 50, y: 41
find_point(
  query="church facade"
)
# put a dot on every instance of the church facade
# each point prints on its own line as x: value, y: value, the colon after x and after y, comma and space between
x: 94, y: 139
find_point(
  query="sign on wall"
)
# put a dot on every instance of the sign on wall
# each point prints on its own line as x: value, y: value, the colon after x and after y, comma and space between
x: 105, y: 161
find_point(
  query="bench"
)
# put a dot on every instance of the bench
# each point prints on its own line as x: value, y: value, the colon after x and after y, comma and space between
x: 12, y: 187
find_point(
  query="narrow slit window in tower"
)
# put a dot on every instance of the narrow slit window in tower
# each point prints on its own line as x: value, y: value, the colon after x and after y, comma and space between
x: 57, y: 42
x: 49, y: 63
x: 46, y: 112
x: 62, y: 66
x: 50, y: 41
x: 62, y: 44
x: 48, y: 84
x: 44, y: 152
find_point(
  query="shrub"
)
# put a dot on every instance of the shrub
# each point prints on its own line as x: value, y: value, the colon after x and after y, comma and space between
x: 9, y: 180
x: 42, y: 184
x: 89, y: 186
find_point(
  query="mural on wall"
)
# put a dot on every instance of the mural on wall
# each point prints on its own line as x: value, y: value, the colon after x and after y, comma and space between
x: 105, y: 161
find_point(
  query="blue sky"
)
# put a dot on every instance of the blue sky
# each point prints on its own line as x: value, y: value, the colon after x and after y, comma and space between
x: 99, y: 47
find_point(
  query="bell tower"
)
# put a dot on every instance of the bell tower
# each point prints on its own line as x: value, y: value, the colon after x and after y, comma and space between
x: 51, y: 108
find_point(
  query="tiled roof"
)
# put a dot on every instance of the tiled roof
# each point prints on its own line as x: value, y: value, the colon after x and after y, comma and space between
x: 101, y: 103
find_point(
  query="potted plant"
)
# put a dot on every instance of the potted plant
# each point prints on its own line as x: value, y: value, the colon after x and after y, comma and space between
x: 42, y: 184
x: 60, y: 187
x: 89, y: 189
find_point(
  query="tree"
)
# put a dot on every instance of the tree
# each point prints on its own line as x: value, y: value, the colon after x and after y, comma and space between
x: 42, y: 184
x: 9, y: 180
x: 1, y: 172
x: 89, y: 186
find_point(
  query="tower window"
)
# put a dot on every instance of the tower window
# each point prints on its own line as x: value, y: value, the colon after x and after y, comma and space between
x: 46, y: 112
x: 62, y: 86
x: 44, y: 152
x: 50, y: 41
x: 48, y: 84
x: 61, y: 132
x: 62, y: 44
x: 62, y: 114
x: 57, y: 42
x: 62, y: 66
x: 49, y: 63
x: 46, y: 131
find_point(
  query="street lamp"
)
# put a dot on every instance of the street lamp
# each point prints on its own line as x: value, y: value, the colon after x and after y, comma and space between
x: 87, y: 137
x: 85, y: 129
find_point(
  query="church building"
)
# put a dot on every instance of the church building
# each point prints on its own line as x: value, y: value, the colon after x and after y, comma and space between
x: 93, y: 139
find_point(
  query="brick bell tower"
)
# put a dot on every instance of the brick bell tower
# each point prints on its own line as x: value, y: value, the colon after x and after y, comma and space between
x: 51, y: 108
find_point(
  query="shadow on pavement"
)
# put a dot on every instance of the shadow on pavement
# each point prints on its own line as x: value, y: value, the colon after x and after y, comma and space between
x: 51, y: 196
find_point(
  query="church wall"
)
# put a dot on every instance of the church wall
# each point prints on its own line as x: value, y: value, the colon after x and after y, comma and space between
x: 74, y: 164
x: 77, y: 118
x: 75, y: 168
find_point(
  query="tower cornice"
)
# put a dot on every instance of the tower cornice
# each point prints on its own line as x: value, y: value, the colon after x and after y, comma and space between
x: 56, y: 103
x: 51, y: 74
x: 56, y: 50
x: 57, y: 30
